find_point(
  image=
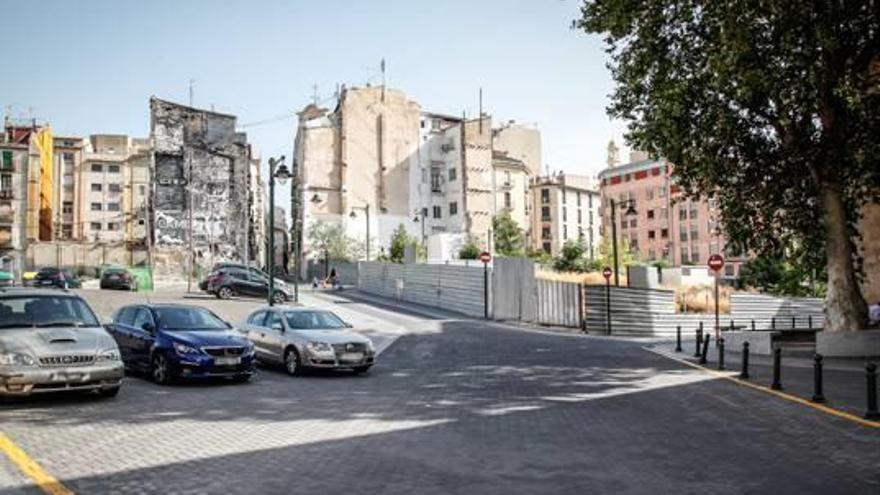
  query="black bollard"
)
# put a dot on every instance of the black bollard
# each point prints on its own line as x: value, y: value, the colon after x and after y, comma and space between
x: 810, y: 322
x: 753, y: 325
x: 872, y: 413
x: 793, y: 325
x: 744, y: 373
x: 773, y: 323
x: 731, y: 325
x: 720, y: 354
x: 777, y: 369
x: 818, y: 397
x: 704, y: 355
x: 699, y: 341
x: 678, y: 338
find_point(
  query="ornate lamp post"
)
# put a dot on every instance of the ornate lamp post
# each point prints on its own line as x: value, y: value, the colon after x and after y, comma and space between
x: 630, y: 211
x: 281, y: 174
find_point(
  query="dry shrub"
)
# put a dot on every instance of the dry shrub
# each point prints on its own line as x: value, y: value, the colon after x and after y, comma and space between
x: 586, y: 278
x: 701, y: 299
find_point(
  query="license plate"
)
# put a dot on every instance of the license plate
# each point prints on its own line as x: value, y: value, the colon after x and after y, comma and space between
x: 351, y: 356
x: 66, y: 377
x: 227, y: 361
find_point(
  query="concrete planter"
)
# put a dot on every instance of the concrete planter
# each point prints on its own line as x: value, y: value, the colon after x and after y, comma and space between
x: 759, y: 342
x: 865, y: 343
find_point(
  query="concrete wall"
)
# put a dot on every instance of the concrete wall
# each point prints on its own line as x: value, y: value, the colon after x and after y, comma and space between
x: 83, y: 258
x: 522, y: 142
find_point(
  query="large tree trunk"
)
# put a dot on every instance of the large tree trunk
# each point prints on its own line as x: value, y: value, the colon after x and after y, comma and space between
x: 845, y: 308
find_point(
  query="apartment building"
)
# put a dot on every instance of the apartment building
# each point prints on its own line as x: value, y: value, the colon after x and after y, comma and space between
x: 13, y: 200
x: 664, y: 225
x: 511, y: 179
x: 565, y: 208
x: 113, y: 190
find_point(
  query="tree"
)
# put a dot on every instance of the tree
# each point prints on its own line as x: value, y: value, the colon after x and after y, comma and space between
x: 625, y: 255
x: 509, y: 238
x: 469, y: 250
x: 778, y: 277
x: 773, y: 108
x: 571, y: 258
x: 331, y: 242
x: 399, y: 241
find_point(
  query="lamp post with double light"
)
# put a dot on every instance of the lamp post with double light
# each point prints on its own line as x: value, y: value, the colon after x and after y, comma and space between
x: 277, y: 171
x: 630, y: 206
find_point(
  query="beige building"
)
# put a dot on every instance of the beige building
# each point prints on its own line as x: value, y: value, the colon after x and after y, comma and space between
x: 113, y: 191
x: 565, y: 208
x: 520, y: 142
x: 512, y: 179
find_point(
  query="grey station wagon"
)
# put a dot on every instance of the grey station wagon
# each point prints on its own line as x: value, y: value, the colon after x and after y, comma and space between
x: 51, y: 341
x: 302, y: 338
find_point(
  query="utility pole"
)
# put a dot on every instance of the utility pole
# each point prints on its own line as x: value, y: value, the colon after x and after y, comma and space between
x: 192, y: 260
x: 191, y: 82
x: 480, y: 116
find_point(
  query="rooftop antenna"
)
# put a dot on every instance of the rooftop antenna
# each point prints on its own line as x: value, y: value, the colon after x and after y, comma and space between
x: 191, y: 82
x: 481, y: 110
x: 382, y: 65
x: 315, y: 94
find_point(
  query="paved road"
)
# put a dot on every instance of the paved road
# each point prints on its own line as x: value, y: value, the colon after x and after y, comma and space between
x: 455, y: 406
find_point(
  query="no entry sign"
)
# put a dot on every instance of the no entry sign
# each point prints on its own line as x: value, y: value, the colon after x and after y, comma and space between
x: 485, y: 257
x: 716, y: 262
x: 606, y: 273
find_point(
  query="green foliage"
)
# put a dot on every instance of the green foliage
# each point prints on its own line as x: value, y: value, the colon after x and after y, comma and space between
x: 509, y: 238
x: 776, y: 276
x: 331, y: 243
x: 625, y: 255
x: 399, y: 240
x: 469, y: 251
x: 539, y: 256
x: 772, y: 108
x: 571, y: 258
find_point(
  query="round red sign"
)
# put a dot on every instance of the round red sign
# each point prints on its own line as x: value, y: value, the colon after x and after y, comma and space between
x: 716, y: 262
x: 606, y: 273
x: 485, y: 257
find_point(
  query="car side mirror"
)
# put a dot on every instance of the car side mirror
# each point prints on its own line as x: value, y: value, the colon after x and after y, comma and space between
x: 148, y: 327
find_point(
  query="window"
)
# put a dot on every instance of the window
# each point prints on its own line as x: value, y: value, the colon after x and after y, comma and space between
x: 650, y: 214
x: 96, y: 207
x: 694, y: 233
x: 578, y: 198
x: 683, y: 235
x: 95, y: 225
x: 580, y: 217
x: 545, y: 196
x: 6, y: 162
x: 546, y: 247
x: 5, y: 182
x: 633, y: 223
x: 97, y: 187
x: 565, y: 232
x: 453, y: 208
x: 112, y: 206
x: 67, y: 207
x: 67, y: 231
x: 97, y: 167
x: 651, y: 255
x: 257, y: 318
x: 438, y: 212
x: 664, y: 233
x: 112, y: 226
x: 695, y: 253
x: 580, y: 232
x: 507, y: 177
x: 591, y: 217
x: 564, y: 214
x: 684, y: 256
x: 664, y: 213
x: 728, y: 270
x: 693, y: 212
x: 650, y: 235
x: 67, y: 159
x: 661, y: 191
x: 682, y: 214
x: 436, y: 180
x: 142, y: 189
x: 507, y: 200
x: 545, y: 213
x: 649, y: 193
x: 452, y: 175
x: 141, y: 318
x: 113, y: 169
x: 627, y: 177
x: 545, y: 233
x: 589, y: 200
x: 114, y: 188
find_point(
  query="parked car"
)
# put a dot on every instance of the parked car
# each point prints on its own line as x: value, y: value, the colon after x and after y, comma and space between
x: 231, y: 281
x: 28, y: 279
x: 205, y: 285
x: 171, y: 341
x: 118, y: 278
x: 302, y: 338
x: 51, y: 341
x: 57, y: 277
x: 6, y: 279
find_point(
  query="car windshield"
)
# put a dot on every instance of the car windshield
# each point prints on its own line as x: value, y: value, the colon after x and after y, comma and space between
x: 189, y: 319
x: 313, y: 320
x: 45, y: 311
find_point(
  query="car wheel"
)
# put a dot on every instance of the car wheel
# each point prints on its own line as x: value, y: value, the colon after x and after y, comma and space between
x: 225, y: 293
x: 291, y: 362
x: 161, y: 371
x: 279, y: 298
x: 360, y: 370
x: 109, y: 392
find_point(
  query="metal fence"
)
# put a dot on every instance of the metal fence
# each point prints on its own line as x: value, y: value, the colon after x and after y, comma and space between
x: 780, y: 313
x: 559, y: 303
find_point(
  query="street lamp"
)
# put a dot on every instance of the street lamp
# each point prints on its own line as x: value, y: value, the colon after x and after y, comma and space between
x: 420, y: 217
x: 281, y: 174
x: 630, y: 211
x: 354, y: 215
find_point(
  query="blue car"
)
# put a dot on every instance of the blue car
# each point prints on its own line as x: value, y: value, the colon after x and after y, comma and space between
x: 171, y: 342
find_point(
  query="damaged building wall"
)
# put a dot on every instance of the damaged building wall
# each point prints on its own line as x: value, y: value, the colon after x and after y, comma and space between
x: 201, y: 179
x: 479, y: 196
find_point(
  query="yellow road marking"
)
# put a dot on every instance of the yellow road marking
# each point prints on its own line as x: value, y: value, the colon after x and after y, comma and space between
x: 819, y: 407
x: 28, y: 466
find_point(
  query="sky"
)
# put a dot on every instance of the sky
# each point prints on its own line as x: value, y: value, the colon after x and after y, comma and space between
x: 90, y: 66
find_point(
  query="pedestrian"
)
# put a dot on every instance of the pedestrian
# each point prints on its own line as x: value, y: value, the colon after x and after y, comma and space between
x: 874, y: 314
x: 315, y: 282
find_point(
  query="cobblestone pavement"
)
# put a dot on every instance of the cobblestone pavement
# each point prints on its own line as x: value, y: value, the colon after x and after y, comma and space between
x: 454, y: 406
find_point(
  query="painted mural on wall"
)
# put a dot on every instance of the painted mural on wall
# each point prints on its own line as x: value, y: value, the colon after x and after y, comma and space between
x: 201, y: 176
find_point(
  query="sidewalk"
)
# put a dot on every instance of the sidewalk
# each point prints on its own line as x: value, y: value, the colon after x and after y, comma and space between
x: 844, y: 380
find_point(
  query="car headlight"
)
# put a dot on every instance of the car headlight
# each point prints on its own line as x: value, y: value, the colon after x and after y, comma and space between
x: 16, y: 359
x: 320, y: 347
x: 370, y: 346
x: 184, y: 349
x: 108, y: 355
x: 248, y: 348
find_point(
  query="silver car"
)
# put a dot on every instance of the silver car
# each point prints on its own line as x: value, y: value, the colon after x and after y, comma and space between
x: 301, y: 338
x: 51, y: 341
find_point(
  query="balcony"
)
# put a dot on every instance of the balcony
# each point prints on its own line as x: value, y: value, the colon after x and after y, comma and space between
x: 6, y: 194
